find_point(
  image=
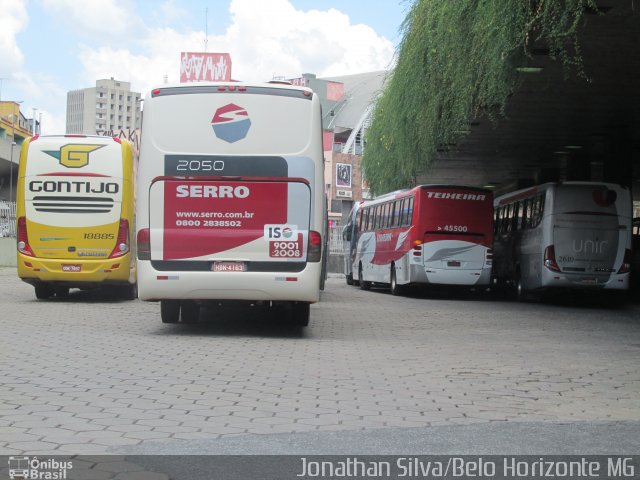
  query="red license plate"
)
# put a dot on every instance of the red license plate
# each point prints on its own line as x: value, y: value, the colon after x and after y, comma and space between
x: 229, y: 267
x: 71, y: 267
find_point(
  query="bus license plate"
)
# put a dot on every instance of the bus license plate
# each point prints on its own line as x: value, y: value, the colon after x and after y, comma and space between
x: 453, y: 263
x: 71, y: 267
x: 229, y: 267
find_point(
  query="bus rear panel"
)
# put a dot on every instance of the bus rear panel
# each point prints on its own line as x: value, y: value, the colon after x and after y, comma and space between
x: 231, y: 204
x: 457, y: 235
x: 75, y: 213
x: 571, y: 235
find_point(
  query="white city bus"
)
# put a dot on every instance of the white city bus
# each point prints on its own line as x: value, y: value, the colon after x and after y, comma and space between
x: 230, y: 197
x: 563, y: 235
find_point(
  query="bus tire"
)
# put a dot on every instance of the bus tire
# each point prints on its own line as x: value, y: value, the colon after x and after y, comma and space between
x: 189, y: 311
x: 350, y: 279
x: 169, y: 311
x: 44, y: 291
x: 61, y: 292
x: 363, y: 284
x: 300, y: 312
x: 393, y: 282
x: 522, y: 295
x: 130, y: 291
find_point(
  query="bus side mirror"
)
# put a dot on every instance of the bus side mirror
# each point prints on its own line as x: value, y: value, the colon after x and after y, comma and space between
x: 346, y: 233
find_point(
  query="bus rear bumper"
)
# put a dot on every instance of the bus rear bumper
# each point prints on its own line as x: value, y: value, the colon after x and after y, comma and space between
x: 615, y: 281
x: 301, y: 286
x: 80, y: 273
x: 442, y: 276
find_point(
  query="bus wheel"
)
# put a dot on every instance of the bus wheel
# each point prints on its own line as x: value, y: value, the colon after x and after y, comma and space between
x: 189, y: 311
x: 350, y: 279
x: 300, y: 312
x: 61, y: 292
x: 130, y: 292
x: 363, y: 285
x: 44, y: 291
x: 393, y: 283
x: 169, y: 311
x: 522, y: 295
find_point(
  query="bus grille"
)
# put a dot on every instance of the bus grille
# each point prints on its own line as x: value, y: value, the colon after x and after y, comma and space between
x: 52, y: 204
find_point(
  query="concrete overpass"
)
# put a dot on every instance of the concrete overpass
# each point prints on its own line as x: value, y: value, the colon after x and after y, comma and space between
x: 557, y: 128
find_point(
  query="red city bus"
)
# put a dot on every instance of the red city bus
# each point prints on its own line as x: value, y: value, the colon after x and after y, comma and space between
x: 431, y: 234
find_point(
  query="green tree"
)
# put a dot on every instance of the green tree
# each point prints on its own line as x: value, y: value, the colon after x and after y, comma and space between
x: 457, y: 61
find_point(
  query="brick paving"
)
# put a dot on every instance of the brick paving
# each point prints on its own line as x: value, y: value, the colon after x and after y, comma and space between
x: 90, y: 373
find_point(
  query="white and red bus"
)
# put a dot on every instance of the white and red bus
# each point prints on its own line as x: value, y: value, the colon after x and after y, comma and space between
x: 431, y: 234
x: 230, y: 197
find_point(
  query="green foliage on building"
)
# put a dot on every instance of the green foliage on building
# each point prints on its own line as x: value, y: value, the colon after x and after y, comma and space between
x: 457, y: 61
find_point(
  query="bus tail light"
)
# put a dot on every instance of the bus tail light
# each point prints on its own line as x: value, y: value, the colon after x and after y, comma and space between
x: 122, y: 244
x: 314, y: 253
x: 144, y: 244
x: 626, y: 262
x: 23, y: 238
x: 550, y: 259
x: 417, y: 248
x: 489, y: 257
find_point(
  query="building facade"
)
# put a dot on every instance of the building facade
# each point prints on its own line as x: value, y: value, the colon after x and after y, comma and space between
x: 347, y: 103
x: 107, y: 108
x: 15, y: 128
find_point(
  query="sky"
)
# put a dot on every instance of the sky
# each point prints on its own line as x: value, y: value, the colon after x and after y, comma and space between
x: 48, y: 47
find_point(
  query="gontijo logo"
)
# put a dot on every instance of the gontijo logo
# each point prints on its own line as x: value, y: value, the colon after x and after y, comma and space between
x: 231, y: 123
x: 73, y: 155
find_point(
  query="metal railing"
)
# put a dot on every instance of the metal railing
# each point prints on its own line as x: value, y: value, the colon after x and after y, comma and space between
x: 336, y: 244
x: 7, y: 219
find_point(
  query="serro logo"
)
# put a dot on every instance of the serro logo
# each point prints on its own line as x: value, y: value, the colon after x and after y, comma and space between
x: 212, y: 191
x: 73, y: 155
x: 231, y: 123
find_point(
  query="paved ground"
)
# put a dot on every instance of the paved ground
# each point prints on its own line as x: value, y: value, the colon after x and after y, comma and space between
x: 372, y: 373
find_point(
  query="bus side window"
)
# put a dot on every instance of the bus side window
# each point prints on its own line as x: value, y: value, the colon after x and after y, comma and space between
x: 528, y: 213
x: 539, y: 209
x: 520, y: 219
x: 396, y: 213
x: 409, y: 212
x: 385, y: 215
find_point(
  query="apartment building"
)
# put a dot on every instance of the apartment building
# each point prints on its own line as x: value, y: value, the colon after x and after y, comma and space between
x: 110, y: 106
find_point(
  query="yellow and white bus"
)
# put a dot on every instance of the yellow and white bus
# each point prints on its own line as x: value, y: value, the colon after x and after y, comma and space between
x: 75, y: 214
x: 230, y: 198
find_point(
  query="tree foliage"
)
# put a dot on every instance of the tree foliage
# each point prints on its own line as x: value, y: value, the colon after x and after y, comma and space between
x: 457, y: 60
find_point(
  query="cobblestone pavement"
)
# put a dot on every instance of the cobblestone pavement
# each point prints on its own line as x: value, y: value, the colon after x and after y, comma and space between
x: 91, y: 374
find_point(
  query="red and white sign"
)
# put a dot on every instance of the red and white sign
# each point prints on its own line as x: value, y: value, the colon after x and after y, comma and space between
x: 205, y: 67
x: 204, y: 218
